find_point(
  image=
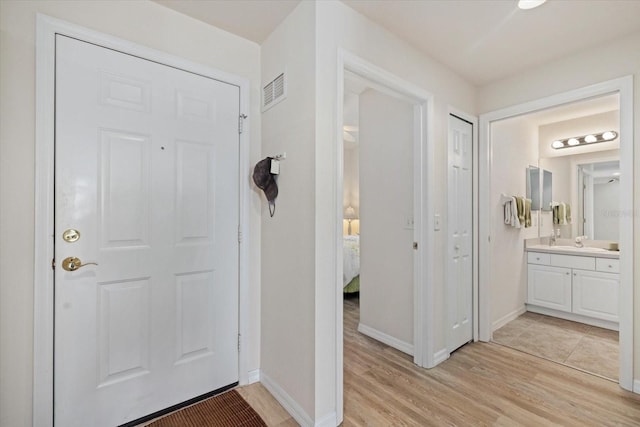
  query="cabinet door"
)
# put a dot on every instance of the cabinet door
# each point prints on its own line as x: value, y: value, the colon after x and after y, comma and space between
x: 596, y: 294
x: 549, y: 287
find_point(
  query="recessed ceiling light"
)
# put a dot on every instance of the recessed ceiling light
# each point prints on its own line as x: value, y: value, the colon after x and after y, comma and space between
x: 609, y: 135
x: 590, y: 138
x: 573, y: 141
x: 529, y: 4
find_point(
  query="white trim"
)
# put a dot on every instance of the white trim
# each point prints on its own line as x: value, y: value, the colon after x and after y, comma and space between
x: 46, y: 29
x: 328, y: 420
x: 623, y: 86
x: 474, y: 190
x: 287, y: 402
x: 508, y: 318
x: 441, y: 356
x: 423, y: 209
x: 636, y: 386
x: 253, y: 376
x: 387, y: 339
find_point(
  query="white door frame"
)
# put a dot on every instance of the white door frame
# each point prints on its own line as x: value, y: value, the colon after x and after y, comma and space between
x: 423, y: 335
x: 624, y: 87
x: 452, y: 111
x: 46, y: 30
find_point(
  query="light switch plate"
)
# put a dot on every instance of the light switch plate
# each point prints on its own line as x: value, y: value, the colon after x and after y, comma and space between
x: 436, y: 222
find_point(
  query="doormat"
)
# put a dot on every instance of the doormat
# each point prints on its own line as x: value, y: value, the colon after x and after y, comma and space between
x: 225, y: 410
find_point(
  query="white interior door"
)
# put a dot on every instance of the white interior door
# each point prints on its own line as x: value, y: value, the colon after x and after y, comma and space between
x: 460, y: 234
x: 146, y: 170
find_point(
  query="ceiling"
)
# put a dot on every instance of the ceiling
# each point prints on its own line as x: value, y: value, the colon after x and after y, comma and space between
x: 251, y: 19
x: 483, y: 41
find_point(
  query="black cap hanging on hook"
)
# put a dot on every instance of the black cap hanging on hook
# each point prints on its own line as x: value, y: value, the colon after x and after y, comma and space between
x: 266, y: 181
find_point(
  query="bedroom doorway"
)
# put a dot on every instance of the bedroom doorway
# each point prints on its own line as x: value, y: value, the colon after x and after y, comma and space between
x: 378, y: 212
x: 411, y: 219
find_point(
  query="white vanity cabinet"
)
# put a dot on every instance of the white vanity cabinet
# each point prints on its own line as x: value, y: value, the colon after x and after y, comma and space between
x: 550, y: 287
x: 575, y: 287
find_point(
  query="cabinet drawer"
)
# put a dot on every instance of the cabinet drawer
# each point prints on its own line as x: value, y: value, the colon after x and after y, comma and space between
x: 607, y: 264
x: 572, y: 261
x: 538, y: 258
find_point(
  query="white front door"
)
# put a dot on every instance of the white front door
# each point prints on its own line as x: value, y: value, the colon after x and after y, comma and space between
x: 146, y: 172
x: 460, y: 234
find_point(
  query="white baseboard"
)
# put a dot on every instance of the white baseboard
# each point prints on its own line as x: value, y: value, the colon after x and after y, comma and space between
x: 636, y: 386
x: 328, y: 420
x: 614, y: 326
x: 404, y: 347
x: 508, y: 318
x: 440, y: 356
x: 253, y: 376
x: 288, y: 403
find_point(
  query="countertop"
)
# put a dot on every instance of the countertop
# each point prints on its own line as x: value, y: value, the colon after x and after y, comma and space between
x: 571, y: 250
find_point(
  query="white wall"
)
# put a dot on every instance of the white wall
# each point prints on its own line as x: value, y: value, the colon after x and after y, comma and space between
x: 514, y: 148
x: 386, y: 254
x: 288, y: 239
x: 338, y: 26
x: 142, y: 22
x: 351, y: 196
x: 605, y: 62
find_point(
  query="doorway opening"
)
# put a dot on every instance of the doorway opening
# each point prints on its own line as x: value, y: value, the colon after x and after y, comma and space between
x: 396, y: 216
x: 547, y: 289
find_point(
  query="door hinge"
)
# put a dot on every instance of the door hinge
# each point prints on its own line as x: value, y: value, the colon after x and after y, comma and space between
x: 238, y: 342
x: 241, y: 118
x: 53, y: 263
x: 239, y: 235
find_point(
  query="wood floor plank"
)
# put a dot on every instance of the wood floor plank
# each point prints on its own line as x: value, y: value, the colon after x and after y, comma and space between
x: 481, y: 384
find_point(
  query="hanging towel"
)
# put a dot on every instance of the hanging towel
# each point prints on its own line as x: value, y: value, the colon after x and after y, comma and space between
x: 507, y: 213
x: 515, y: 221
x: 556, y: 218
x: 567, y: 211
x: 562, y: 217
x: 527, y: 213
x: 520, y: 207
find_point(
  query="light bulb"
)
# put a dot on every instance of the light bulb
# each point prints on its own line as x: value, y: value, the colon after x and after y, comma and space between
x: 557, y: 144
x: 609, y: 135
x: 573, y: 141
x: 529, y: 4
x: 590, y: 138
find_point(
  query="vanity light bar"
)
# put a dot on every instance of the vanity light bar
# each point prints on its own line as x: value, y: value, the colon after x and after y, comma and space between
x: 577, y: 141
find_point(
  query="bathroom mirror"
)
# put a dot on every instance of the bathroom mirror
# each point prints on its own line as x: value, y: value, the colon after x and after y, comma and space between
x: 590, y: 184
x: 533, y: 187
x: 539, y: 179
x: 547, y: 188
x: 598, y: 195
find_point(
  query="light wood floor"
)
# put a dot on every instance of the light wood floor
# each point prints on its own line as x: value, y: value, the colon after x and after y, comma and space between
x: 481, y: 384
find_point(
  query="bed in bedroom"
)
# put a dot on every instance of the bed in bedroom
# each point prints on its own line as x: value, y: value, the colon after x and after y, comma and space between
x: 351, y: 268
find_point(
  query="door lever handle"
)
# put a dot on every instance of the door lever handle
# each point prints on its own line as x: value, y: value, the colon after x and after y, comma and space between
x: 73, y: 263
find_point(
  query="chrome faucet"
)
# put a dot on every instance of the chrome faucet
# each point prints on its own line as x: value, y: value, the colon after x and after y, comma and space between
x: 579, y: 240
x: 552, y: 238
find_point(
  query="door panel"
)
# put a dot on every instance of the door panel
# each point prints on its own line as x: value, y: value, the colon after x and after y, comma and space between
x: 147, y: 172
x: 460, y: 234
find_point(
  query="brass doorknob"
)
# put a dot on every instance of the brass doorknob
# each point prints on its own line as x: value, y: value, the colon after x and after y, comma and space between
x: 73, y: 263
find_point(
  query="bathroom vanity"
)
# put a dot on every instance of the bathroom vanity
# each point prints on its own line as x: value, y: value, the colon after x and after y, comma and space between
x: 579, y: 284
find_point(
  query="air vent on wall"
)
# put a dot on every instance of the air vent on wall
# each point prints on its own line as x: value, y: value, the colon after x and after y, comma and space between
x: 274, y: 92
